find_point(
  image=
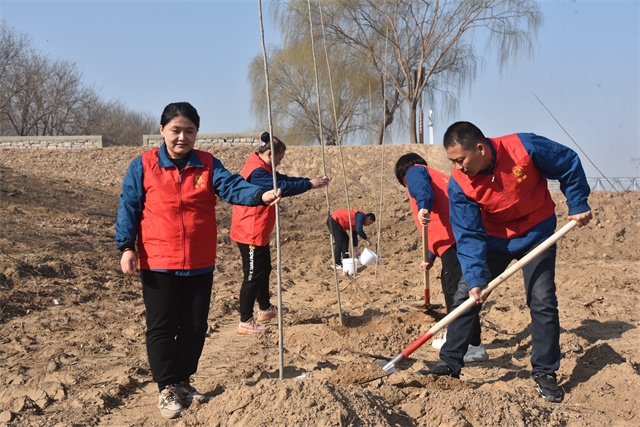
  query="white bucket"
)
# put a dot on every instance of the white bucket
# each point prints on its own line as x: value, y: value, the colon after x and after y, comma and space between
x: 367, y: 257
x: 350, y: 266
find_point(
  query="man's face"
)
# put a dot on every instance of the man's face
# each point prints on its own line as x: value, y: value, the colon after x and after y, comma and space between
x: 470, y: 162
x: 367, y: 221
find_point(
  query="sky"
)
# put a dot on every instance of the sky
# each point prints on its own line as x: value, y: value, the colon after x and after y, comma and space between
x: 585, y: 68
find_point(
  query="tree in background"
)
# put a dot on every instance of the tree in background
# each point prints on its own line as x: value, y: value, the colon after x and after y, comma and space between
x: 40, y: 96
x: 12, y: 47
x: 420, y: 48
x: 293, y: 91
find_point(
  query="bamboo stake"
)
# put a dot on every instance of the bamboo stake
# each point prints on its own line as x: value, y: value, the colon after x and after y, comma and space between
x: 324, y: 165
x: 275, y: 188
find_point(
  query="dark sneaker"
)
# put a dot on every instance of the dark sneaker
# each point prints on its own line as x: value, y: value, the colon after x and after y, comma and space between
x: 187, y: 393
x: 440, y: 371
x: 548, y: 387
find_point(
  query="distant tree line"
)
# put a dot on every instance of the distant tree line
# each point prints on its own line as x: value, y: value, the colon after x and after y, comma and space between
x: 378, y: 60
x: 41, y: 96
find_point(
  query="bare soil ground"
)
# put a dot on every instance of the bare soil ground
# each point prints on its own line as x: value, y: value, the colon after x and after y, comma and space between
x: 72, y: 326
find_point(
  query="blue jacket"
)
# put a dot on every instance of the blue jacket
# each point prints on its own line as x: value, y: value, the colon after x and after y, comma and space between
x: 359, y: 231
x: 554, y: 161
x: 418, y: 183
x: 289, y: 185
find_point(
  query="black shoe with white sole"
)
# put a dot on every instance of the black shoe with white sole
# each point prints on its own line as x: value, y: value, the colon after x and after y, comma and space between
x: 547, y: 386
x: 441, y: 370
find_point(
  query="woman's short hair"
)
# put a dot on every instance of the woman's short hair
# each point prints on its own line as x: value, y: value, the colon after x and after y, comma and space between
x: 405, y: 162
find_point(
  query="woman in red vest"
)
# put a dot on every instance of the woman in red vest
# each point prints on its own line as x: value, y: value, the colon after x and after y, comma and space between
x: 427, y: 189
x: 168, y: 205
x: 251, y: 227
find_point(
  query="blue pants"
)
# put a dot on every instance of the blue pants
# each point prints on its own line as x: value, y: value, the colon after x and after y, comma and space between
x: 540, y: 288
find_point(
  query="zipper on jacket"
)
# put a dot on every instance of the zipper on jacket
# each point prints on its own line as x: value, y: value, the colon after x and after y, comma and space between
x: 181, y: 218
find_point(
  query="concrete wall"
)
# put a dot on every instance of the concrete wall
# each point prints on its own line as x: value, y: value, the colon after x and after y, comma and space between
x: 51, y: 142
x: 249, y: 139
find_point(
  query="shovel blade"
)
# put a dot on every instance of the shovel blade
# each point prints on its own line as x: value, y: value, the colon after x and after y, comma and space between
x: 388, y: 367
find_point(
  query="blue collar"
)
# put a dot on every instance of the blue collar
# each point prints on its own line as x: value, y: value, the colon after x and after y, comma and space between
x: 165, y: 162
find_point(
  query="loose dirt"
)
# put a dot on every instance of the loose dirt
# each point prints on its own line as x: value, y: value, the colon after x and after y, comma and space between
x: 72, y: 325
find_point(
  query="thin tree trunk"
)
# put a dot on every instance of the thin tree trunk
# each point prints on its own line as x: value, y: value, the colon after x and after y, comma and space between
x: 412, y: 123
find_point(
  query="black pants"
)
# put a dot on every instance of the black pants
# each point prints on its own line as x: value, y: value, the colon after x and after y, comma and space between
x: 256, y: 267
x: 341, y: 240
x: 177, y: 308
x: 450, y: 277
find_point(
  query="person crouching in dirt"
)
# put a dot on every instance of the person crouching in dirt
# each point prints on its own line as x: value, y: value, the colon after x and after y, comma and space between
x: 168, y: 204
x: 500, y: 209
x: 427, y: 189
x: 251, y: 227
x: 338, y: 223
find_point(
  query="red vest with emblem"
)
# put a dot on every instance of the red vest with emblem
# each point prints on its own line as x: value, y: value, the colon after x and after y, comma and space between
x: 342, y: 217
x: 178, y: 225
x: 252, y: 225
x: 440, y: 235
x: 515, y: 198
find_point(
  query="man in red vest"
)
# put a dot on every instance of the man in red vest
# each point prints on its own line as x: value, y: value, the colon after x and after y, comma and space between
x: 500, y: 209
x: 338, y: 223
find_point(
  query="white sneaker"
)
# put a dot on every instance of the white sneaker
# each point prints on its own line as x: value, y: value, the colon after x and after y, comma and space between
x: 187, y: 393
x: 439, y: 342
x: 169, y: 402
x: 476, y: 354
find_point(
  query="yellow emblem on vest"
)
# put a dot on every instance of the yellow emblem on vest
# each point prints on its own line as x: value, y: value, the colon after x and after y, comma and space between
x: 199, y: 181
x: 518, y: 173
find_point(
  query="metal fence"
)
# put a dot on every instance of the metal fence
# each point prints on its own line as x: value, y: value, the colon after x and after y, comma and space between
x: 606, y: 184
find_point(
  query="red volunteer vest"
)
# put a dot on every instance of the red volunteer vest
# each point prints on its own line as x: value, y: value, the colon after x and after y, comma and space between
x: 252, y: 225
x: 178, y: 225
x: 515, y: 198
x: 342, y: 217
x: 440, y: 234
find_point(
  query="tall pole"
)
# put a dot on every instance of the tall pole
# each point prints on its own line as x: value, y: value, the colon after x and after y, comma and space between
x: 421, y: 122
x: 430, y: 128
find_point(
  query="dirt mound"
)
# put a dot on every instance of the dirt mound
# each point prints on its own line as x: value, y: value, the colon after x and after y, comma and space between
x: 72, y: 326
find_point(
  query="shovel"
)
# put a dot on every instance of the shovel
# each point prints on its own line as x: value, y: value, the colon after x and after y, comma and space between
x: 390, y: 367
x: 426, y: 305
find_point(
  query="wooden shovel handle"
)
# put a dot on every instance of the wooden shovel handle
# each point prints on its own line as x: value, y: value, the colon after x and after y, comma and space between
x: 425, y: 258
x: 492, y: 285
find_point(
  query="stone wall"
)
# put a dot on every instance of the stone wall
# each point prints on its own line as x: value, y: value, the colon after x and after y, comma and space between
x: 248, y: 139
x: 51, y: 142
